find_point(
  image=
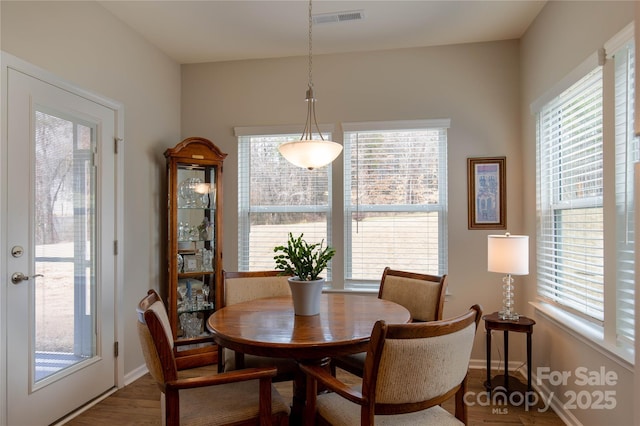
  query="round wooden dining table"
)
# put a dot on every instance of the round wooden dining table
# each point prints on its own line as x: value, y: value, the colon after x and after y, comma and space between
x: 268, y: 327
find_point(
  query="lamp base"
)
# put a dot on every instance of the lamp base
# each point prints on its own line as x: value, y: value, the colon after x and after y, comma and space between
x: 508, y: 315
x: 507, y: 291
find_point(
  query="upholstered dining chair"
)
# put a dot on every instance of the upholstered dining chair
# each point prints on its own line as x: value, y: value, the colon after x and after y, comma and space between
x: 422, y: 294
x: 410, y: 369
x: 243, y: 397
x: 240, y: 287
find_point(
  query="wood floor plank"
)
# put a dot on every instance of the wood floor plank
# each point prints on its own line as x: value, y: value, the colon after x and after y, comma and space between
x: 139, y: 404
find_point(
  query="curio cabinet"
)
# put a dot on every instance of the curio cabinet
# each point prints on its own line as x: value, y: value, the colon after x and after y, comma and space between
x: 194, y: 253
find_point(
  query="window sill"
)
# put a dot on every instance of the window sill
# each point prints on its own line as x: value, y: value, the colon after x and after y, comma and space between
x: 590, y: 334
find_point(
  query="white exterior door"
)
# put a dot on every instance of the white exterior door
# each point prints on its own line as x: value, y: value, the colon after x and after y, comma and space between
x: 60, y: 260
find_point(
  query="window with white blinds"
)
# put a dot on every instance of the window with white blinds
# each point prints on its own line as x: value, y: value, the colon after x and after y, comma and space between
x: 395, y: 199
x: 586, y: 241
x: 276, y: 198
x: 626, y: 153
x: 570, y: 247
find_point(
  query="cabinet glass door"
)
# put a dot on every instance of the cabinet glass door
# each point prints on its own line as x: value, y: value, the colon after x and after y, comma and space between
x: 196, y: 204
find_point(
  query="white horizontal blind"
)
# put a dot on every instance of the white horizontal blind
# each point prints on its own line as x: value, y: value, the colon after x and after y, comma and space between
x: 627, y: 153
x: 395, y: 202
x: 570, y: 198
x: 275, y: 198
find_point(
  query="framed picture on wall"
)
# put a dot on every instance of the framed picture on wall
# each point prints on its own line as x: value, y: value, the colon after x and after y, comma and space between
x: 487, y: 189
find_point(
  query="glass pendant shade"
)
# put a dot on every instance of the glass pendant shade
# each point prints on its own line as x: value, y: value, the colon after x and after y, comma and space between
x: 310, y: 154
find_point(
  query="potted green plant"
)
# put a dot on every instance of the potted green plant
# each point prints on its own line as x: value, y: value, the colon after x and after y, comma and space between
x: 305, y: 262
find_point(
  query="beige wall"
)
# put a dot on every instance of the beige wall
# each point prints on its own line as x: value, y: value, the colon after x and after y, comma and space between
x: 84, y: 44
x: 562, y: 36
x: 475, y: 85
x: 485, y: 89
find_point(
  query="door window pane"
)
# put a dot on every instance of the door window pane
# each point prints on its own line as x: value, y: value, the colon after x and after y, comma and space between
x: 64, y: 232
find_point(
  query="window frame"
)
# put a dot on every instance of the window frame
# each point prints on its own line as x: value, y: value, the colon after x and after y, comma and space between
x: 336, y: 190
x: 287, y: 133
x: 565, y: 161
x: 441, y: 208
x: 603, y: 336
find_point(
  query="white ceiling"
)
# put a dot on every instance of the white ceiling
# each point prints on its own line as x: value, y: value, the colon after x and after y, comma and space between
x: 215, y: 30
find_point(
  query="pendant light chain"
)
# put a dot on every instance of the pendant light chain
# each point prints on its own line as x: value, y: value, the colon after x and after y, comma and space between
x: 311, y: 98
x: 310, y: 47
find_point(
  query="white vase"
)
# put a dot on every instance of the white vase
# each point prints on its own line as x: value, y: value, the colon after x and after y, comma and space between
x: 306, y: 296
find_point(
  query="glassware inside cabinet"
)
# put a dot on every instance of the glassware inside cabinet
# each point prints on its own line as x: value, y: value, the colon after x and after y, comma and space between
x: 196, y: 187
x: 196, y: 215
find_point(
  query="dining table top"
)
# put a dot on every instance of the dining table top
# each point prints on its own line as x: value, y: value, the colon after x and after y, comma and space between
x: 268, y: 327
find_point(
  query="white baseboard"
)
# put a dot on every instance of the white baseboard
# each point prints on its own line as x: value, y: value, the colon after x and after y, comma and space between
x: 135, y: 374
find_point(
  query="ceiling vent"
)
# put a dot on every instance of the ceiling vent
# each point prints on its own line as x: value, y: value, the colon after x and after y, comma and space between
x: 326, y: 18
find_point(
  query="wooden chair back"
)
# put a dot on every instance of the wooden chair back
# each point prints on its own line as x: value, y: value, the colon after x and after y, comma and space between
x: 240, y: 287
x: 156, y: 339
x: 422, y: 294
x: 412, y: 367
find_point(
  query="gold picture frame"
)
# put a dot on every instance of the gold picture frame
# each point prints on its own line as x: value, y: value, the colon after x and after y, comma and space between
x: 487, y: 192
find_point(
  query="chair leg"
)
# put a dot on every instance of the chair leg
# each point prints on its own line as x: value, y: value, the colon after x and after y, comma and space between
x: 265, y: 401
x: 172, y: 407
x: 461, y: 407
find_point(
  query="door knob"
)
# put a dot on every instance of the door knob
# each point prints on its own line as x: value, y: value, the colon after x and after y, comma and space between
x: 18, y: 277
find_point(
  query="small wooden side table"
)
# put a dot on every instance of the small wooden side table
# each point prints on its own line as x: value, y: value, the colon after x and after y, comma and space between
x: 522, y: 325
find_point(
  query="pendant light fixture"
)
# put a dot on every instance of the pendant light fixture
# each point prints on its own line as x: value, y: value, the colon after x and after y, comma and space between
x: 308, y: 152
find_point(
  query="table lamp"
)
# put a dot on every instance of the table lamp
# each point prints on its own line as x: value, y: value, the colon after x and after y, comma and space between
x: 508, y: 254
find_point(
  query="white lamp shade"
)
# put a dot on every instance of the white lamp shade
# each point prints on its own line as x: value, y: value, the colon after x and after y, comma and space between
x: 310, y: 154
x: 508, y: 254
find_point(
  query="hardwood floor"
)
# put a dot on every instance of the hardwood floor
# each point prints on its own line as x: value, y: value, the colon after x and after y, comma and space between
x: 139, y: 404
